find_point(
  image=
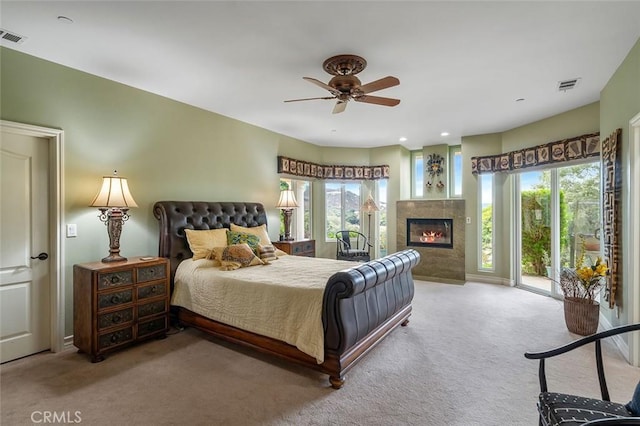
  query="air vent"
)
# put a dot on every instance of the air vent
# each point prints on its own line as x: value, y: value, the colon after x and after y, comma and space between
x: 565, y: 85
x: 11, y: 36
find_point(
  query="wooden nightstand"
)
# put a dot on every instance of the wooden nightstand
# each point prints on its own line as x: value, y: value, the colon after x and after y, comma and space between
x: 119, y: 303
x: 297, y: 248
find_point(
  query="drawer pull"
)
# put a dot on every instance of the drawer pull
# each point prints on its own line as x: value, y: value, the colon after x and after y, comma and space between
x: 115, y: 279
x: 115, y: 299
x: 153, y: 289
x: 114, y: 338
x: 116, y: 319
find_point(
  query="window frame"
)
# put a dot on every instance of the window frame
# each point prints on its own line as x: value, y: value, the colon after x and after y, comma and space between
x: 480, y: 246
x: 455, y: 151
x: 342, y: 185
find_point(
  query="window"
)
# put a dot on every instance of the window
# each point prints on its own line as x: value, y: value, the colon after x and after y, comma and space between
x: 485, y: 214
x: 417, y: 174
x: 342, y: 207
x: 382, y: 217
x: 455, y: 171
x: 301, y: 218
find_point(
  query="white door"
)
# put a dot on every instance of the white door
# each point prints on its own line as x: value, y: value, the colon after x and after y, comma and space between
x: 24, y: 233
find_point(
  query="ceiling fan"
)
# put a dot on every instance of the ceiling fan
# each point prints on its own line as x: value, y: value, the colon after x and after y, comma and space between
x: 345, y: 86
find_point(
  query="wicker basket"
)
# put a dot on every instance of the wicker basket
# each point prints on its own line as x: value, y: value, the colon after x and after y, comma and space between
x: 581, y: 315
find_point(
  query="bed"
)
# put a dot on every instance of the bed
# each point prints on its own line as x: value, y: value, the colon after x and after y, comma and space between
x: 360, y: 303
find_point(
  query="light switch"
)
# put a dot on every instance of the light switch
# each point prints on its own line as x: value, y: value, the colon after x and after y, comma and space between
x: 72, y: 230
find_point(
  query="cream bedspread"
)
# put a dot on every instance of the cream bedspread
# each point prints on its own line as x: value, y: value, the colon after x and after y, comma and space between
x: 281, y: 300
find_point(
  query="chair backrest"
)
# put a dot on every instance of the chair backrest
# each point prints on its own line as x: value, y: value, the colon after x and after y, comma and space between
x: 353, y: 240
x: 344, y: 240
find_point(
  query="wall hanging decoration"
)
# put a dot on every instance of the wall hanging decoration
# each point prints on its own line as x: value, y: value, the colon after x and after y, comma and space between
x: 575, y: 148
x: 611, y: 218
x: 294, y: 167
x: 434, y: 169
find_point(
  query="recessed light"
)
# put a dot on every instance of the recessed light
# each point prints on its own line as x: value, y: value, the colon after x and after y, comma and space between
x: 402, y: 139
x: 444, y: 134
x: 65, y: 19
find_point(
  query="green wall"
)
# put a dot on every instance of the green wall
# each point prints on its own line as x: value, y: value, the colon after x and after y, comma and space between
x: 571, y: 123
x: 168, y: 151
x: 619, y: 103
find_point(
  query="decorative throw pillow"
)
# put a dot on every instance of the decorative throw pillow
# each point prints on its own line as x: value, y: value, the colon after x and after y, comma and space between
x: 202, y: 241
x: 235, y: 256
x: 259, y: 231
x: 267, y: 252
x: 234, y: 237
x: 634, y: 405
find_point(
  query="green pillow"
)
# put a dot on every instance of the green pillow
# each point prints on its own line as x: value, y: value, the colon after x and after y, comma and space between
x: 251, y: 240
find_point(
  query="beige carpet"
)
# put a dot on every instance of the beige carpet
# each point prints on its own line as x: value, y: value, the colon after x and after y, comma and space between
x: 459, y: 362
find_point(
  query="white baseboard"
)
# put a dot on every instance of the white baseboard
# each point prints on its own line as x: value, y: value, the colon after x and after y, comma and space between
x: 622, y: 346
x: 489, y: 280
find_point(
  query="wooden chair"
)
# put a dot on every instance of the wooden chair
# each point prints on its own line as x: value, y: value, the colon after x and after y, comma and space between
x: 562, y: 409
x: 352, y: 245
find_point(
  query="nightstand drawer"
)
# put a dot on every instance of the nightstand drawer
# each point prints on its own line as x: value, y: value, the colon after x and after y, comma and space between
x: 304, y: 247
x: 297, y: 248
x: 115, y: 338
x: 115, y: 318
x: 152, y: 308
x: 151, y: 273
x: 149, y: 327
x: 152, y: 291
x: 115, y: 279
x: 107, y: 300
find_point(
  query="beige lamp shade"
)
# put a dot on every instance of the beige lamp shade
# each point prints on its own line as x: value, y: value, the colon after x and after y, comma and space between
x: 370, y: 206
x: 287, y: 200
x: 114, y: 193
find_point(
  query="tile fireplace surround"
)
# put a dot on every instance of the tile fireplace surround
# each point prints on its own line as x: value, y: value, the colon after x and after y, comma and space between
x: 436, y: 263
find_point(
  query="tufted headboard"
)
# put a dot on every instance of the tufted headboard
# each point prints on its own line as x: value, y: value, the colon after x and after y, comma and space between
x: 176, y: 216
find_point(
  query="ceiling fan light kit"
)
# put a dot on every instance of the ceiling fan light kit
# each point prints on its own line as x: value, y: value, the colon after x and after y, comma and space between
x: 345, y: 86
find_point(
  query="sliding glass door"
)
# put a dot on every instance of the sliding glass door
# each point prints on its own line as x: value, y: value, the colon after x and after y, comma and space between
x: 558, y: 213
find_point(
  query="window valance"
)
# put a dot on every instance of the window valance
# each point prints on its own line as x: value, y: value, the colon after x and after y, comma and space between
x: 576, y: 148
x: 294, y: 167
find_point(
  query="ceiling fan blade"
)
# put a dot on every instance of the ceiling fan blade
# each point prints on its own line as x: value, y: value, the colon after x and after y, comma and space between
x: 340, y: 106
x: 321, y: 84
x: 383, y: 83
x: 377, y: 100
x: 310, y: 99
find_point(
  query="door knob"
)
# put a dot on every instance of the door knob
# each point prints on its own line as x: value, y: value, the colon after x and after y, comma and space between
x: 41, y: 256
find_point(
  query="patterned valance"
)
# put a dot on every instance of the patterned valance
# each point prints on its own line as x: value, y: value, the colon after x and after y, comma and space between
x: 553, y: 152
x: 319, y: 171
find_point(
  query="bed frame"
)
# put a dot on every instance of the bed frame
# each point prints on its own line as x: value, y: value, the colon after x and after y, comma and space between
x: 361, y: 305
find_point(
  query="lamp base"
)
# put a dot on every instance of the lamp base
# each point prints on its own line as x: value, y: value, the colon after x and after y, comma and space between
x: 114, y: 258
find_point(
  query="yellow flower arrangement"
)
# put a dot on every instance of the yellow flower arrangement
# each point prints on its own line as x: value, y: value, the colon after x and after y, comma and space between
x: 585, y: 281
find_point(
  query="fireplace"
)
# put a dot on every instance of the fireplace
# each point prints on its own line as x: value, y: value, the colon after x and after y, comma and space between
x: 430, y: 232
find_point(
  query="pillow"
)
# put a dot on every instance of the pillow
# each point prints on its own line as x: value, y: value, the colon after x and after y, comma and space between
x: 259, y: 231
x: 202, y: 241
x: 243, y: 238
x: 267, y: 252
x: 280, y: 253
x: 235, y: 256
x: 634, y: 405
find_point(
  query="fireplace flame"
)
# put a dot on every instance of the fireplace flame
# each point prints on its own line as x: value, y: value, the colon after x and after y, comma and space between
x: 430, y: 236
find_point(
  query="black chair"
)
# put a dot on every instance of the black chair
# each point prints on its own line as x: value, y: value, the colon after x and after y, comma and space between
x: 570, y: 410
x: 352, y: 245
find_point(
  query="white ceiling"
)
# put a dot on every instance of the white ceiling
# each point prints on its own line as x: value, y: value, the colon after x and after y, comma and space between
x: 461, y: 65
